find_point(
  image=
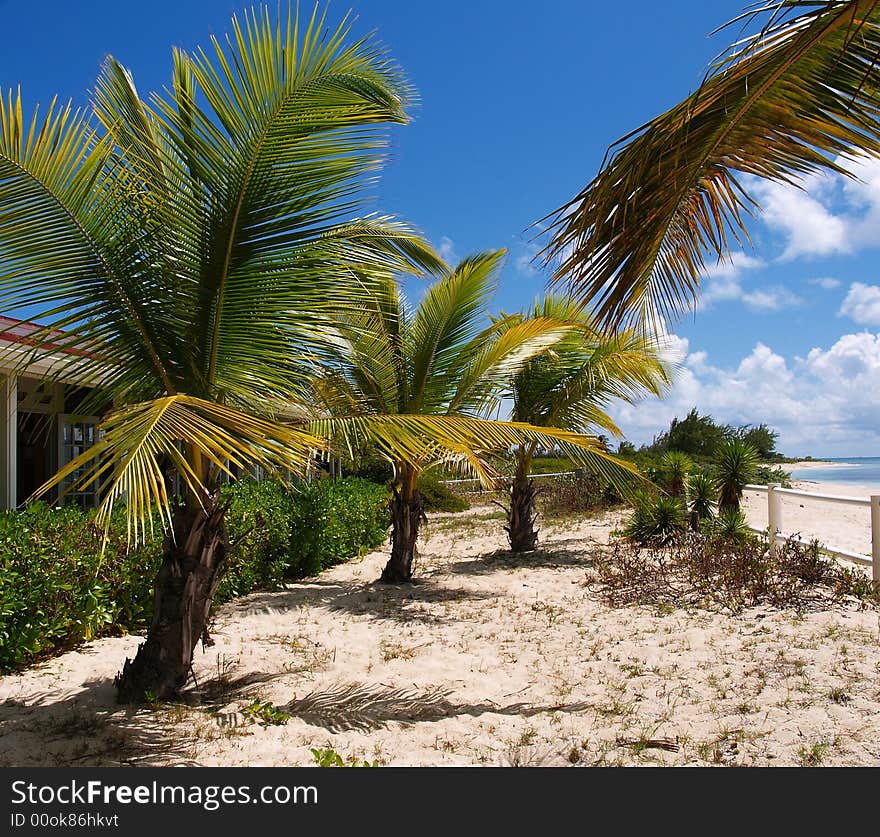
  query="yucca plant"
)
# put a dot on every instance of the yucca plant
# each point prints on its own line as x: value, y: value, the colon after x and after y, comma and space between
x: 657, y: 520
x: 702, y: 496
x: 735, y: 464
x: 730, y: 524
x: 571, y: 385
x: 675, y: 467
x: 193, y: 247
x: 787, y: 101
x: 415, y: 380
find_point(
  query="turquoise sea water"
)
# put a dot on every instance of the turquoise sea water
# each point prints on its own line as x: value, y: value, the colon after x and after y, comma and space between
x: 859, y: 470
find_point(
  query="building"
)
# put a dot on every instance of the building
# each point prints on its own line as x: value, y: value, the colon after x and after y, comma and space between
x: 41, y: 426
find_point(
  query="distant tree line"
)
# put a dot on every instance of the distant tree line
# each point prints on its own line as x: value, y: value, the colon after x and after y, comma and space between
x: 700, y: 435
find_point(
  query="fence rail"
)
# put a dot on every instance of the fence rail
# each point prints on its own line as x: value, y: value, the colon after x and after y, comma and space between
x: 775, y: 492
x: 530, y: 476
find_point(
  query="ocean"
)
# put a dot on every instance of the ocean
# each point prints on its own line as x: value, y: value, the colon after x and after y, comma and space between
x: 857, y: 470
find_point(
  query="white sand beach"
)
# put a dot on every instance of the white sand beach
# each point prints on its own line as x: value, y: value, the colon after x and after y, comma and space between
x: 490, y: 659
x: 836, y: 525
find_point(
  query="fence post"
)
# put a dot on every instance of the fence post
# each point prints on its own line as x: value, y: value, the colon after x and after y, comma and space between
x: 774, y: 515
x: 875, y: 538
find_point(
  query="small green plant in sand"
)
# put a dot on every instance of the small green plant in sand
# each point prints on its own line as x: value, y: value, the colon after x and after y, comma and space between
x: 328, y: 757
x: 813, y: 755
x: 266, y: 713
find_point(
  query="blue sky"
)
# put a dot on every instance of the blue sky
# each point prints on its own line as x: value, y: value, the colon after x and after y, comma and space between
x: 518, y: 102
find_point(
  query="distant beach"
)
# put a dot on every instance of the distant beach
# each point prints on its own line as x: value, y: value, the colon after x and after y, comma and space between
x: 860, y: 476
x: 835, y: 525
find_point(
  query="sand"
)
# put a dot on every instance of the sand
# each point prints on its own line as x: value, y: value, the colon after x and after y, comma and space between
x: 833, y: 524
x: 488, y: 660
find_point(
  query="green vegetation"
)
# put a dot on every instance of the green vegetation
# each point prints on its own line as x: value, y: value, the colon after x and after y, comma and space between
x: 328, y: 757
x: 656, y: 520
x: 419, y: 377
x: 735, y: 465
x: 57, y: 590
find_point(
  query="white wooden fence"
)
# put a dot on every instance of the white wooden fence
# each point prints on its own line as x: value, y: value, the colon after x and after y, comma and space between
x: 775, y: 492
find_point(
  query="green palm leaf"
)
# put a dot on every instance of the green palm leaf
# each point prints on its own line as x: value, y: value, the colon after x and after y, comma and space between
x: 467, y: 442
x: 126, y: 460
x: 780, y: 104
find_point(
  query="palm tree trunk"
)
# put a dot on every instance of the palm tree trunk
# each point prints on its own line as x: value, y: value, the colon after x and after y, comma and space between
x: 521, y: 516
x: 521, y: 513
x: 192, y: 568
x: 407, y: 514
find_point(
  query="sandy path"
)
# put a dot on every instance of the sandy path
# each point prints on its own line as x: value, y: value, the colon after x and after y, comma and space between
x: 489, y: 660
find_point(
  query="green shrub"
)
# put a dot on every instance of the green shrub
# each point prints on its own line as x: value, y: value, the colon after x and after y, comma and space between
x: 57, y: 589
x: 334, y: 520
x: 438, y: 497
x: 259, y: 524
x: 656, y: 520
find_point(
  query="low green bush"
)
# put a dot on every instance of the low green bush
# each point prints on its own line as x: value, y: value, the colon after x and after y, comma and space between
x: 439, y: 497
x: 656, y: 519
x: 57, y: 589
x: 334, y: 520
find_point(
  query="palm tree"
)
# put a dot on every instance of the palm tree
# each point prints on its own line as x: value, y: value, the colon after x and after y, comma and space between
x: 784, y: 102
x: 569, y: 386
x: 435, y: 369
x: 735, y: 465
x: 194, y: 247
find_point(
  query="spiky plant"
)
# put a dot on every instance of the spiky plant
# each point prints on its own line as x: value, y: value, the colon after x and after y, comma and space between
x: 702, y: 496
x: 675, y: 467
x: 656, y: 520
x: 735, y: 464
x: 730, y: 524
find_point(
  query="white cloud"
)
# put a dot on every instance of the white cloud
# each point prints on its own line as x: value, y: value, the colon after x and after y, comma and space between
x: 810, y: 228
x: 826, y: 282
x: 824, y: 404
x: 447, y: 250
x: 862, y: 304
x: 527, y: 258
x: 829, y: 214
x: 722, y: 283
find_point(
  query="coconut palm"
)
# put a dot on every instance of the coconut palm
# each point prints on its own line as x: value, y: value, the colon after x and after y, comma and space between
x: 784, y: 102
x: 735, y: 465
x: 437, y: 367
x: 569, y: 386
x: 194, y: 248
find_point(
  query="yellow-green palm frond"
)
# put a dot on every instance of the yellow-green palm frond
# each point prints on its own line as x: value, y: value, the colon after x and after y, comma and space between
x: 449, y: 317
x: 785, y: 102
x: 498, y: 354
x: 126, y: 461
x: 422, y: 440
x: 572, y: 384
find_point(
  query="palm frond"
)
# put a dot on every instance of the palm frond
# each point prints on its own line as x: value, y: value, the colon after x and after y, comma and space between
x: 783, y: 103
x: 126, y: 462
x: 449, y: 317
x: 424, y: 440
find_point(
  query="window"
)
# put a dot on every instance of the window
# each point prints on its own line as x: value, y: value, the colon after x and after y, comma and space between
x: 76, y: 434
